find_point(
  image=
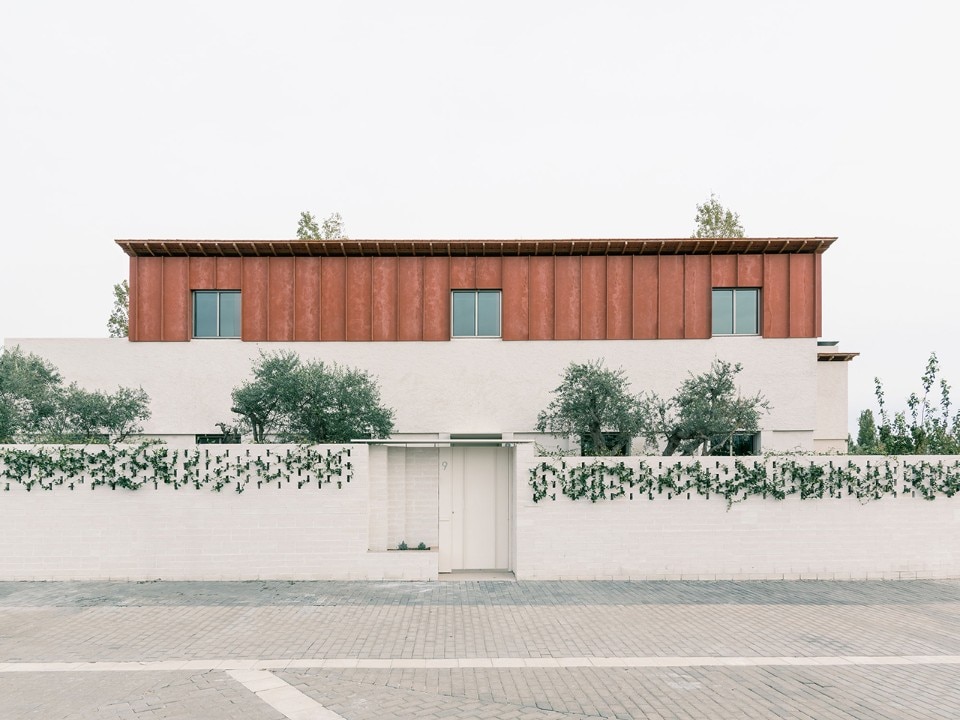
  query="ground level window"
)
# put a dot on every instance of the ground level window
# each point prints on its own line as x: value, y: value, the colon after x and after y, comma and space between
x: 737, y: 444
x: 218, y: 439
x: 216, y: 313
x: 736, y: 311
x: 476, y: 313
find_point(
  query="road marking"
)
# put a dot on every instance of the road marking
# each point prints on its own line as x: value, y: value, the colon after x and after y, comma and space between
x: 281, y: 696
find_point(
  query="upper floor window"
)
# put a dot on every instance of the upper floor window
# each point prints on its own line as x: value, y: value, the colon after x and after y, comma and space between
x: 736, y: 311
x: 476, y: 313
x: 216, y: 313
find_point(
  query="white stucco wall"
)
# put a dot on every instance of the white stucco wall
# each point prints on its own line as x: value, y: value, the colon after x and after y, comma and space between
x: 460, y: 386
x: 831, y: 428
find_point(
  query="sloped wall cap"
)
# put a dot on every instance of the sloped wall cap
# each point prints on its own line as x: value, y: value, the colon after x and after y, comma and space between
x: 472, y: 248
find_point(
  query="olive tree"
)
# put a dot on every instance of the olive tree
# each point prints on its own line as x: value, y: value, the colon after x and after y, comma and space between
x: 715, y: 221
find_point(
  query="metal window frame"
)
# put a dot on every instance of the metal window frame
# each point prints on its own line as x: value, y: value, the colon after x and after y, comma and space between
x: 476, y: 312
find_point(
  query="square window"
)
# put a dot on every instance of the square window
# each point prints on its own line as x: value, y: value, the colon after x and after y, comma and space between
x: 475, y: 313
x: 736, y: 311
x: 216, y: 313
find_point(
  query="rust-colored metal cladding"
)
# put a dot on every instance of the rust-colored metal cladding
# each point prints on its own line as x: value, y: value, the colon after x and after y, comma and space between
x: 253, y: 299
x: 333, y: 289
x: 541, y: 298
x: 593, y: 297
x: 280, y: 306
x: 228, y: 273
x: 150, y: 295
x: 697, y: 300
x: 203, y: 273
x: 750, y: 271
x: 776, y: 296
x: 516, y: 293
x: 410, y: 298
x: 489, y: 273
x: 359, y: 275
x: 133, y: 301
x: 306, y: 302
x: 803, y: 310
x: 619, y: 298
x: 383, y: 299
x: 646, y: 297
x: 436, y: 298
x: 463, y: 273
x: 567, y: 298
x: 818, y: 295
x: 723, y: 271
x: 176, y: 299
x: 671, y: 297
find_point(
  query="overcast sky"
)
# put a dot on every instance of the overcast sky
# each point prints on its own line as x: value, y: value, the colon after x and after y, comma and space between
x: 490, y: 120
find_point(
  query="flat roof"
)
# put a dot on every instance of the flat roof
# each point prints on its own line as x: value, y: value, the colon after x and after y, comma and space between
x: 471, y: 248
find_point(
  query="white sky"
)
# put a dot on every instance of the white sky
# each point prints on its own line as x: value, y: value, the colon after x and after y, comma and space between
x: 496, y: 120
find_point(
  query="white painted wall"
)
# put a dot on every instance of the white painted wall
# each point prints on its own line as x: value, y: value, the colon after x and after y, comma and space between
x: 461, y: 386
x: 831, y: 426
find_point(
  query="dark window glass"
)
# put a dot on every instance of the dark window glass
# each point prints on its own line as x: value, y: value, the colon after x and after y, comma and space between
x: 745, y: 305
x: 488, y: 313
x: 722, y: 312
x: 464, y: 314
x: 230, y: 314
x: 205, y: 314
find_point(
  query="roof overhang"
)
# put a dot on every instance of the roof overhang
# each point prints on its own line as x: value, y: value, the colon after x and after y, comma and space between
x: 836, y: 356
x: 471, y: 248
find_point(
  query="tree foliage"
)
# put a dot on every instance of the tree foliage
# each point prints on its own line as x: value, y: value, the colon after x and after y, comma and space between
x: 715, y: 221
x: 331, y: 229
x: 289, y: 400
x: 118, y: 322
x: 29, y: 393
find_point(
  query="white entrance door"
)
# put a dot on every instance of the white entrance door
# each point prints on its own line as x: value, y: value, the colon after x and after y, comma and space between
x: 477, y: 501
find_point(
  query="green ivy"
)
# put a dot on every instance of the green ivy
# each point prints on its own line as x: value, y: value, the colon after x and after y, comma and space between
x: 131, y: 467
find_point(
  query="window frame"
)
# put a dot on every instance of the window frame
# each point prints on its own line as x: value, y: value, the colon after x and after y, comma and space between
x: 219, y: 294
x: 476, y: 312
x: 733, y: 311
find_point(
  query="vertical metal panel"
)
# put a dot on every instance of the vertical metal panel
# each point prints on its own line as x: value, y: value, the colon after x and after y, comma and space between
x: 203, y: 273
x: 150, y: 294
x: 383, y: 301
x: 253, y: 299
x: 818, y: 295
x: 436, y: 298
x: 516, y: 299
x: 280, y: 307
x: 228, y: 273
x: 776, y: 296
x: 133, y: 301
x: 489, y: 273
x: 697, y: 320
x: 646, y: 297
x: 306, y: 301
x: 177, y: 307
x: 750, y: 271
x: 567, y: 298
x: 803, y: 310
x: 410, y: 298
x: 723, y: 271
x: 593, y: 297
x: 671, y: 296
x: 619, y: 298
x: 541, y: 293
x: 359, y: 272
x: 333, y: 315
x: 463, y: 273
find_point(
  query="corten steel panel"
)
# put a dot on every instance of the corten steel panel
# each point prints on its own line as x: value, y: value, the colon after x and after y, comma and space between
x: 619, y: 298
x: 150, y: 298
x: 463, y: 273
x: 541, y: 292
x: 306, y: 302
x: 818, y: 297
x: 750, y: 271
x: 281, y: 291
x: 253, y: 299
x: 203, y: 273
x: 646, y: 297
x: 776, y: 296
x: 177, y: 306
x: 410, y: 298
x: 671, y: 296
x: 567, y: 298
x: 593, y: 297
x: 697, y: 316
x: 333, y: 284
x: 515, y: 307
x: 723, y: 271
x: 133, y: 302
x: 803, y: 310
x: 489, y: 273
x: 384, y: 299
x: 228, y: 273
x: 436, y: 299
x: 359, y: 272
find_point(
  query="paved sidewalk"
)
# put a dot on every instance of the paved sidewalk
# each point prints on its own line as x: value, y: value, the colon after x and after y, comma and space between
x: 480, y: 650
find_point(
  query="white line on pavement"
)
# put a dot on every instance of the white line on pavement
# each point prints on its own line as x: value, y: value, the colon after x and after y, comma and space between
x: 281, y: 696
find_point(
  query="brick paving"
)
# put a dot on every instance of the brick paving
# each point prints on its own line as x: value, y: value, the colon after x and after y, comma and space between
x: 260, y: 621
